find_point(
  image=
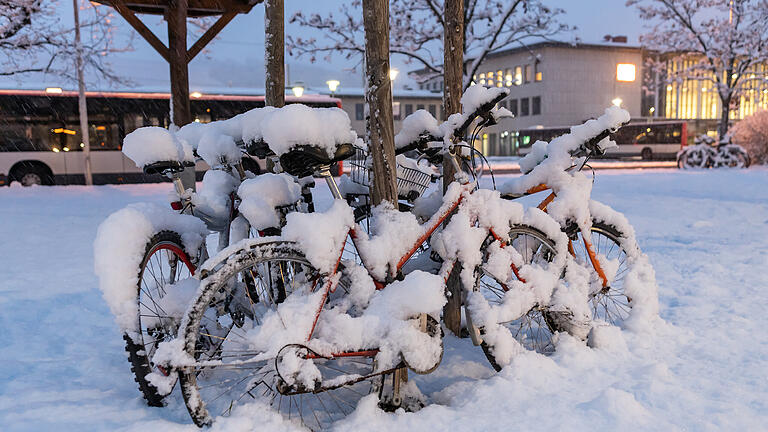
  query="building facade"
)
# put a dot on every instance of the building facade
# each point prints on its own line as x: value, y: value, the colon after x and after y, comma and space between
x: 557, y: 84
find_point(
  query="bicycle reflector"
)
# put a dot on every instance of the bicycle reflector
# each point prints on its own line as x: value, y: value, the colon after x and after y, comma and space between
x: 176, y: 205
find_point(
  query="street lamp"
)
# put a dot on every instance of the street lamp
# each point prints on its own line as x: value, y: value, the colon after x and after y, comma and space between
x: 53, y: 90
x: 393, y: 73
x: 196, y: 94
x: 333, y: 85
x: 298, y: 89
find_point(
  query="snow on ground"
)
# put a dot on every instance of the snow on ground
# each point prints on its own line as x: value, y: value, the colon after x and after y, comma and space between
x: 706, y: 233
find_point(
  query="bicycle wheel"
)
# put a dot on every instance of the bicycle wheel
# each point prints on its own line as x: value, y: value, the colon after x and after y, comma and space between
x: 165, y: 262
x: 236, y: 360
x: 693, y: 158
x: 535, y: 329
x: 610, y: 303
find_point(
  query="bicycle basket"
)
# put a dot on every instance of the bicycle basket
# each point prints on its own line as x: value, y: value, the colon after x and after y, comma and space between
x: 411, y: 182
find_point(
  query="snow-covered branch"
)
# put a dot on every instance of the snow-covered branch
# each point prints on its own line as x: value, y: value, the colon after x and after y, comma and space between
x: 416, y: 31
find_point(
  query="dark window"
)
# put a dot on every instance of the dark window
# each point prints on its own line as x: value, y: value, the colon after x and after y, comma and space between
x: 527, y: 74
x: 524, y: 107
x: 420, y: 106
x: 433, y: 110
x: 503, y: 104
x: 408, y: 109
x: 513, y: 106
x: 536, y: 105
x: 359, y: 111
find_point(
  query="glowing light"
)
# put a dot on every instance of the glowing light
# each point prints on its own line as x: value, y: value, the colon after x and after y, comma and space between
x: 53, y: 90
x: 333, y: 85
x: 66, y: 149
x: 64, y: 131
x: 393, y: 73
x: 617, y: 102
x: 196, y: 95
x: 55, y: 150
x: 652, y: 110
x: 625, y: 72
x: 83, y: 145
x: 298, y: 90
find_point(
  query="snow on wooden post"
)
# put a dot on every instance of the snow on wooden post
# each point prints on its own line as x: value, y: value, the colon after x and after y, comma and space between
x: 453, y: 61
x: 177, y: 57
x: 378, y: 98
x: 274, y: 53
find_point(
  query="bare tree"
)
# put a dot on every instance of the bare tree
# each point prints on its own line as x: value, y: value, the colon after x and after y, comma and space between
x: 717, y: 41
x: 416, y: 31
x: 33, y: 39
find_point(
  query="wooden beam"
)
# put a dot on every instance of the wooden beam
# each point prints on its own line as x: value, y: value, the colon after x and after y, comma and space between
x: 142, y: 29
x: 274, y: 53
x: 177, y: 44
x: 210, y: 34
x: 453, y: 60
x: 378, y: 97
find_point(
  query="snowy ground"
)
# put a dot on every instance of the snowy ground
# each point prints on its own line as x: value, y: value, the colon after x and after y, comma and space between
x: 63, y: 367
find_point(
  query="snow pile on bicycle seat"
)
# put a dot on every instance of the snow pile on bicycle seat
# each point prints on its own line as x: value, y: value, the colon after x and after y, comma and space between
x: 263, y: 194
x: 416, y: 124
x: 296, y: 125
x: 148, y: 145
x: 213, y: 197
x: 477, y: 95
x: 218, y: 149
x: 121, y: 241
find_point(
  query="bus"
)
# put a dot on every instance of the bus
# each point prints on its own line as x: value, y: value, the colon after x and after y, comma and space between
x: 40, y: 141
x: 657, y: 140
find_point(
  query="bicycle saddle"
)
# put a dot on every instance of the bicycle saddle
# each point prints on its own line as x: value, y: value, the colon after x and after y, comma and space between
x: 304, y: 160
x: 165, y: 166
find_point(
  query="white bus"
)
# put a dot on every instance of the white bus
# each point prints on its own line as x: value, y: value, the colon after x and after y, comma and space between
x: 40, y: 141
x: 657, y: 140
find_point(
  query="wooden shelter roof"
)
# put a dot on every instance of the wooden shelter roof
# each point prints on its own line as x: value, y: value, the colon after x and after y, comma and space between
x: 196, y: 8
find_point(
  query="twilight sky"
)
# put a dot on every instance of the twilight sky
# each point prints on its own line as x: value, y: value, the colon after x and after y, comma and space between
x: 235, y: 59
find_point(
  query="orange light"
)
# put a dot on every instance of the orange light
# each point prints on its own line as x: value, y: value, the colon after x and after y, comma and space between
x: 64, y: 131
x: 625, y: 72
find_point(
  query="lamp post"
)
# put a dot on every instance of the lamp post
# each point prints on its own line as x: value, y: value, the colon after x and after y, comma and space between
x: 298, y: 89
x: 333, y: 85
x: 393, y: 74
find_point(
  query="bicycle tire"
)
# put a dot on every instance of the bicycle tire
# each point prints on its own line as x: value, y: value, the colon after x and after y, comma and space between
x: 139, y: 349
x: 198, y: 380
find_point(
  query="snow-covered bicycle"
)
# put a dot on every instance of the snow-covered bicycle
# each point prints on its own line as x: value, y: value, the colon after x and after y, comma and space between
x: 705, y: 153
x: 311, y: 349
x: 147, y: 255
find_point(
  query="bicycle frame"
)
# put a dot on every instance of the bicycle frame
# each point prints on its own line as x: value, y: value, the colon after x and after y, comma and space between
x: 434, y: 222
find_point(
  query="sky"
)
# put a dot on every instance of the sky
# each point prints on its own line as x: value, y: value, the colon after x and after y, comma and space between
x: 236, y: 57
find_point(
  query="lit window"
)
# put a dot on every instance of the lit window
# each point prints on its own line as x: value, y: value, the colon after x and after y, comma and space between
x: 482, y: 79
x: 508, y: 78
x: 518, y: 75
x: 499, y: 78
x: 625, y: 72
x: 537, y: 75
x: 489, y: 79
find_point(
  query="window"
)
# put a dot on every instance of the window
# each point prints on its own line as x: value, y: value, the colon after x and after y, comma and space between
x: 420, y: 106
x: 513, y: 106
x: 396, y: 110
x: 536, y: 105
x: 489, y: 79
x: 408, y: 109
x: 499, y: 78
x: 433, y: 110
x: 518, y: 75
x: 527, y: 74
x: 482, y: 79
x: 508, y: 78
x: 359, y: 111
x: 503, y: 104
x: 537, y: 76
x: 524, y: 107
x: 625, y: 72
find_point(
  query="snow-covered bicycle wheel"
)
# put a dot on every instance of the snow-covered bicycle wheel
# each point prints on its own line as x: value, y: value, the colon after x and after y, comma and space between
x: 732, y: 156
x: 610, y: 303
x: 164, y: 263
x: 695, y: 157
x: 535, y: 329
x: 235, y: 361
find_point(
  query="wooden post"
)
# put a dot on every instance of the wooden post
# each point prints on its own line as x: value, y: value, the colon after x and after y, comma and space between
x: 378, y: 98
x: 82, y: 106
x: 453, y: 65
x: 177, y: 53
x: 274, y: 53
